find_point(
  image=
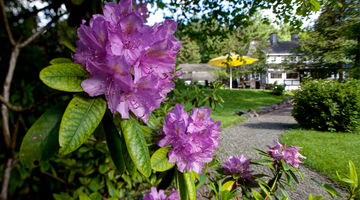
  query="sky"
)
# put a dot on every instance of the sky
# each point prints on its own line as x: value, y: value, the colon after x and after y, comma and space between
x: 158, y: 15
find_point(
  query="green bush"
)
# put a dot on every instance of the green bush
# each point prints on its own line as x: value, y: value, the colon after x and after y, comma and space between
x: 328, y: 105
x: 277, y: 89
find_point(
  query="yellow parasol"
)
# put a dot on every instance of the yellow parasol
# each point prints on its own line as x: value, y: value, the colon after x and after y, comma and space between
x: 232, y: 60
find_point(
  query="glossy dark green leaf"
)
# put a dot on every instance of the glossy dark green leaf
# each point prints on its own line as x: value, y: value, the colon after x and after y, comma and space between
x: 181, y: 186
x: 190, y: 185
x: 60, y: 60
x: 328, y: 188
x: 130, y: 166
x: 113, y: 141
x: 294, y: 177
x: 136, y: 145
x: 64, y: 76
x: 160, y: 161
x: 79, y: 121
x: 41, y: 140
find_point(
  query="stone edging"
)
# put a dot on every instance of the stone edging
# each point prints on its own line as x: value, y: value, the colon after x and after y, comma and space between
x: 264, y: 109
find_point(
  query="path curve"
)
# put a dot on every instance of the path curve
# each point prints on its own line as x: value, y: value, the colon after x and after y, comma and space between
x: 261, y: 131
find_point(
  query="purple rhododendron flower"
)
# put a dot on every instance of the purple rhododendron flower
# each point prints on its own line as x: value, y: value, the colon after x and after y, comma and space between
x: 155, y: 195
x: 238, y: 165
x: 289, y: 155
x: 130, y: 62
x: 194, y: 138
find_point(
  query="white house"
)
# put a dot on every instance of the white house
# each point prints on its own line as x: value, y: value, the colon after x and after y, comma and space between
x: 278, y: 55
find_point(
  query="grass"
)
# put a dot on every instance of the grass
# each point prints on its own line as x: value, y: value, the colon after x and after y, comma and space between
x: 326, y: 152
x: 242, y: 100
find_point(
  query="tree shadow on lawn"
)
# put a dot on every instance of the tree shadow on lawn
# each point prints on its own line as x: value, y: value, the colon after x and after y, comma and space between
x: 271, y: 125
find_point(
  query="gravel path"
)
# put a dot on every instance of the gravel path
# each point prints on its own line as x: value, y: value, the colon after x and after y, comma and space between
x: 259, y: 132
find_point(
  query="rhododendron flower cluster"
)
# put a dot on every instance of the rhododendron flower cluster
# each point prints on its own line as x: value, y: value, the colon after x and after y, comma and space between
x: 194, y: 138
x: 238, y: 165
x: 155, y: 195
x: 289, y: 155
x: 130, y: 62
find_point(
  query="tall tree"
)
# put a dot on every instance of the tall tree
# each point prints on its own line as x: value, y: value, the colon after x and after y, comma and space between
x: 333, y: 42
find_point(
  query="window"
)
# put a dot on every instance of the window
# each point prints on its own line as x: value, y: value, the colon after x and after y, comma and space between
x: 292, y: 75
x: 275, y: 75
x: 293, y: 59
x: 273, y: 58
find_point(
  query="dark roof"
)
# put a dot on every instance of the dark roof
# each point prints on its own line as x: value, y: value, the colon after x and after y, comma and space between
x: 197, y: 67
x: 283, y: 47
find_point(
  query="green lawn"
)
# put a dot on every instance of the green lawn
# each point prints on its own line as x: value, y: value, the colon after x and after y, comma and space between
x: 326, y: 152
x: 242, y: 100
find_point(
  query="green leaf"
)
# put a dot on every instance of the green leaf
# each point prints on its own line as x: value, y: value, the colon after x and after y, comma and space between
x: 257, y: 195
x: 285, y: 166
x: 181, y: 186
x: 62, y: 196
x: 315, y: 5
x: 79, y: 121
x: 352, y: 174
x: 60, y: 60
x: 113, y: 141
x: 41, y: 141
x: 159, y: 160
x: 111, y: 189
x: 284, y: 192
x: 227, y: 186
x: 68, y: 45
x: 190, y: 185
x: 226, y: 195
x: 82, y: 195
x: 136, y: 145
x: 64, y: 76
x: 201, y: 182
x: 328, y: 188
x: 265, y: 190
x: 262, y: 161
x: 95, y: 196
x: 294, y: 177
x: 153, y: 123
x: 319, y: 197
x: 130, y: 166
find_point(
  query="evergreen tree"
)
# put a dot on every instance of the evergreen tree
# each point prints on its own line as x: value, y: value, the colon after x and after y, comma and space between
x: 332, y: 44
x: 189, y: 52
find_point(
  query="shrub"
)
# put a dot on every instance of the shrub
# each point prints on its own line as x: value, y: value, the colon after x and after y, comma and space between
x: 328, y: 105
x: 277, y: 89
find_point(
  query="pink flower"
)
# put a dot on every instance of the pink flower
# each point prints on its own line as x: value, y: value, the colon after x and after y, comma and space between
x: 155, y: 195
x: 194, y: 138
x: 238, y: 165
x: 130, y: 62
x: 289, y: 155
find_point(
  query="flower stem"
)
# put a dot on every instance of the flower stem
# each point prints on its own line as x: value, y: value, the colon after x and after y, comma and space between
x: 274, y: 181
